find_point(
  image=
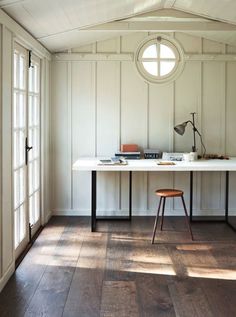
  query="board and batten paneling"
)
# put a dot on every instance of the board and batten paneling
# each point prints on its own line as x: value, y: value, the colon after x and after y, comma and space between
x: 83, y: 127
x: 160, y: 135
x: 61, y: 143
x: 101, y: 104
x: 108, y: 132
x: 187, y: 92
x: 134, y: 116
x: 213, y: 125
x: 230, y: 117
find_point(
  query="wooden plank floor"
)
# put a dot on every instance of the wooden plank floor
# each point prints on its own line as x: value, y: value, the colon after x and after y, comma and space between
x: 116, y: 272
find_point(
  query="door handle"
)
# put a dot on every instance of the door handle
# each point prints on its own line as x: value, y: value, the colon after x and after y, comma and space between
x: 27, y: 149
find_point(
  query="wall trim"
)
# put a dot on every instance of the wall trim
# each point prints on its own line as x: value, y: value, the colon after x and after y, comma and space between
x: 7, y: 275
x: 130, y: 57
x: 173, y: 212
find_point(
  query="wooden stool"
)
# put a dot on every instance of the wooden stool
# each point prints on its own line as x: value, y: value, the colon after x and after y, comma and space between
x: 169, y: 193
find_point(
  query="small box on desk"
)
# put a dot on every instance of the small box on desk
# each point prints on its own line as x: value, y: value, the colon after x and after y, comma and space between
x: 129, y: 148
x: 151, y: 154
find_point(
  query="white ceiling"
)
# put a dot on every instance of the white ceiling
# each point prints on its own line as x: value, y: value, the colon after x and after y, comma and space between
x: 60, y: 25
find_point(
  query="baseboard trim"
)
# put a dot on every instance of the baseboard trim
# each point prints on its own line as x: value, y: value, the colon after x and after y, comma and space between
x: 123, y: 213
x: 4, y: 279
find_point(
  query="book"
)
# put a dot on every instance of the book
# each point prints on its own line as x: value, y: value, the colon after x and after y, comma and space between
x: 129, y: 155
x: 113, y: 161
x: 151, y: 154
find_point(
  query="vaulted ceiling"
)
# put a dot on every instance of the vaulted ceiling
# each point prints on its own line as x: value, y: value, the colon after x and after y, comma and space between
x: 60, y: 25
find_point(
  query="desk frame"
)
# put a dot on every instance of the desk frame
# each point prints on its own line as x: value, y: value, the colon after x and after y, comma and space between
x: 94, y: 217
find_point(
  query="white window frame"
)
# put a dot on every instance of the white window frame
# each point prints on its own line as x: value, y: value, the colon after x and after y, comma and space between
x: 173, y: 45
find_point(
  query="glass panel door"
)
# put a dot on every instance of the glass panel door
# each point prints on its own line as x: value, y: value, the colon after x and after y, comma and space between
x: 26, y: 151
x: 34, y: 141
x: 19, y: 136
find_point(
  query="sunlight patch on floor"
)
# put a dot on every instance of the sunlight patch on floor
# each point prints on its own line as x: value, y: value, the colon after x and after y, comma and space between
x: 153, y: 268
x: 194, y: 247
x: 212, y: 273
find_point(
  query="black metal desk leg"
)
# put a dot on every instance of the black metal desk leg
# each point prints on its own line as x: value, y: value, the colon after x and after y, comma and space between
x: 226, y: 196
x: 93, y: 200
x: 130, y: 195
x: 227, y: 202
x: 191, y: 197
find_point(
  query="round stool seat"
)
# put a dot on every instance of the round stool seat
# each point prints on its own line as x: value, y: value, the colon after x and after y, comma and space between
x: 169, y: 193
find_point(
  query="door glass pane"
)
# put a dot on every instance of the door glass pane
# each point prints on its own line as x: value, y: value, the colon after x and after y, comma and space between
x: 36, y: 174
x: 16, y: 70
x: 36, y: 87
x: 22, y: 186
x: 22, y: 222
x: 30, y: 143
x: 22, y: 72
x: 36, y: 110
x: 30, y: 171
x: 21, y: 110
x: 16, y: 189
x: 36, y: 143
x: 21, y: 148
x: 15, y: 149
x: 36, y: 206
x: 30, y: 112
x: 15, y: 108
x: 30, y: 79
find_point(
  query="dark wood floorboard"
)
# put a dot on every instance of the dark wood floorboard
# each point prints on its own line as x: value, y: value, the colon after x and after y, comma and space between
x: 117, y: 272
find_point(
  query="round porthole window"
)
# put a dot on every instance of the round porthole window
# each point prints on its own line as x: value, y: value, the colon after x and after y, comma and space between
x: 159, y: 59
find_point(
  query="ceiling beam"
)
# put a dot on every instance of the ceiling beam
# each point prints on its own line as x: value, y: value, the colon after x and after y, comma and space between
x: 163, y: 26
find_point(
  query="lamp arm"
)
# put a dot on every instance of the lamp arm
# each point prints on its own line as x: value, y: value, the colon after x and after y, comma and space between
x: 196, y: 130
x: 200, y: 136
x: 194, y: 137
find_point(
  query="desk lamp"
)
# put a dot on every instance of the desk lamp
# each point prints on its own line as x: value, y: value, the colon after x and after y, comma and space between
x: 180, y: 129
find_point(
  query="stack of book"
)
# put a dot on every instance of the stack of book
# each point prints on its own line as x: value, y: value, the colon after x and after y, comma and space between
x: 129, y: 155
x: 129, y: 152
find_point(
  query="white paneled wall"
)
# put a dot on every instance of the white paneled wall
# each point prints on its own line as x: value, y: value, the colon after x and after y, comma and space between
x: 97, y: 105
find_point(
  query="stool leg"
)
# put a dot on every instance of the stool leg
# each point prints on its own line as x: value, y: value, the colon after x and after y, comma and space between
x: 163, y: 210
x: 156, y: 221
x: 187, y: 218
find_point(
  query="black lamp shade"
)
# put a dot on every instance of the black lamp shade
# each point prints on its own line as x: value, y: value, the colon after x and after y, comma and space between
x: 180, y: 128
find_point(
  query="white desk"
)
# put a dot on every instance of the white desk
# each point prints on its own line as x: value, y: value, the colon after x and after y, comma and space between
x: 92, y: 165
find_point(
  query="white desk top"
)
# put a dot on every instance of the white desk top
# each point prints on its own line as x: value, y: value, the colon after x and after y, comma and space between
x: 91, y: 164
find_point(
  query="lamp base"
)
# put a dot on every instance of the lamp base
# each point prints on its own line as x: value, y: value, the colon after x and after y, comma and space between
x: 193, y: 156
